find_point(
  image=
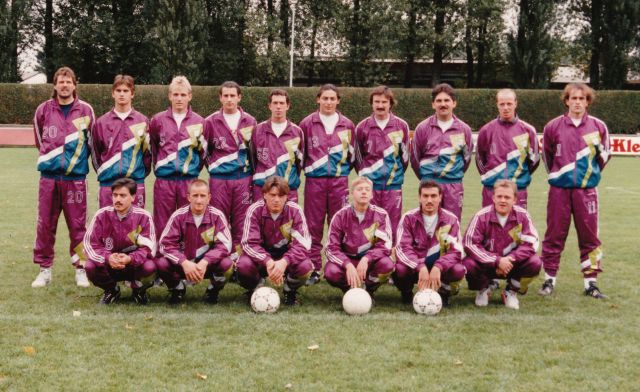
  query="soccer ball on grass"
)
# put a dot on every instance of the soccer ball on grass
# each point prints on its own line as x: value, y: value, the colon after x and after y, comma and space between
x: 427, y: 302
x: 265, y: 300
x: 356, y: 301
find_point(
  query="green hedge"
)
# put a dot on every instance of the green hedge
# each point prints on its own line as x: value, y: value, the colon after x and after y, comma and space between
x: 619, y: 109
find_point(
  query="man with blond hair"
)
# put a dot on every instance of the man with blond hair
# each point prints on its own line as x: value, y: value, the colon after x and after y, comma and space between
x: 178, y: 148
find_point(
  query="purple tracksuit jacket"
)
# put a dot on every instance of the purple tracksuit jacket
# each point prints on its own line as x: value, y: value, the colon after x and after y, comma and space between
x: 63, y: 163
x: 281, y: 156
x: 121, y: 150
x: 506, y: 150
x: 229, y: 168
x: 443, y: 157
x: 486, y: 241
x: 133, y: 235
x: 574, y: 157
x: 328, y: 159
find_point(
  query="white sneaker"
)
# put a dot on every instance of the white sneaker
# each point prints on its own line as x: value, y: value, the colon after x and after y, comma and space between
x: 43, y: 278
x: 81, y: 278
x: 510, y: 299
x: 482, y: 297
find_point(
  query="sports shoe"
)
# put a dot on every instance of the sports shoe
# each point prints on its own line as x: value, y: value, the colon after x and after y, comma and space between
x: 290, y: 297
x: 406, y: 296
x: 81, y: 278
x: 594, y: 291
x: 211, y: 295
x: 140, y: 296
x: 110, y: 296
x: 43, y: 278
x: 177, y: 296
x: 444, y: 295
x: 510, y: 299
x: 482, y: 297
x: 313, y: 279
x: 547, y: 288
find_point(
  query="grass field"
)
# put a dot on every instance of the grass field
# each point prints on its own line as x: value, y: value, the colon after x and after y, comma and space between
x: 567, y: 342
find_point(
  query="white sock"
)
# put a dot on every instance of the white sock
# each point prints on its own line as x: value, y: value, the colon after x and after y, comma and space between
x: 587, y: 281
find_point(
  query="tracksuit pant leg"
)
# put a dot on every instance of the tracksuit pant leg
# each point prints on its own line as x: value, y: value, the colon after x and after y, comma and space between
x: 390, y: 201
x: 105, y: 277
x: 168, y: 196
x: 233, y: 198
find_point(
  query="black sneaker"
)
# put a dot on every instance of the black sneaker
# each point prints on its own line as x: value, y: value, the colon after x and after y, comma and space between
x: 211, y: 295
x: 140, y: 296
x: 406, y: 296
x: 110, y: 296
x: 445, y: 295
x: 373, y: 299
x: 547, y: 288
x: 248, y: 295
x: 290, y: 297
x: 177, y: 296
x: 594, y: 291
x: 314, y: 278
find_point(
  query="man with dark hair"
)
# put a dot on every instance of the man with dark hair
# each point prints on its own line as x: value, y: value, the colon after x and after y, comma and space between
x: 275, y: 242
x: 62, y: 127
x: 228, y: 133
x: 428, y: 248
x: 195, y: 245
x: 441, y: 148
x: 507, y: 148
x: 121, y: 244
x: 178, y: 148
x: 328, y: 159
x: 501, y: 242
x: 576, y: 150
x: 277, y: 147
x: 120, y: 143
x: 382, y: 153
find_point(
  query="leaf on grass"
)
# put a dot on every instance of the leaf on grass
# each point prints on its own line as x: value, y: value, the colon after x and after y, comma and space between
x: 30, y: 350
x: 313, y: 347
x: 201, y: 376
x: 129, y: 327
x: 148, y: 317
x: 76, y: 313
x: 614, y: 306
x: 289, y: 386
x: 457, y: 362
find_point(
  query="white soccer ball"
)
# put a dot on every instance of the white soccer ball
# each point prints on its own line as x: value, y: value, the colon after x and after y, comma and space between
x: 356, y: 301
x: 265, y: 300
x: 427, y: 302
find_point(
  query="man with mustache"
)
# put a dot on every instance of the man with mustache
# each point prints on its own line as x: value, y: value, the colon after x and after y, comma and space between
x: 507, y: 148
x: 441, y: 148
x: 178, y: 149
x: 120, y: 143
x: 382, y: 153
x: 275, y: 243
x: 121, y: 244
x: 428, y: 249
x: 501, y: 243
x: 62, y: 127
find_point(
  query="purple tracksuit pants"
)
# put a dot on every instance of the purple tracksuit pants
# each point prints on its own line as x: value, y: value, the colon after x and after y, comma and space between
x: 55, y: 196
x: 105, y: 277
x: 233, y: 198
x: 583, y: 204
x: 480, y: 275
x: 323, y: 196
x: 257, y: 194
x: 218, y: 271
x: 452, y: 197
x: 168, y: 196
x: 404, y: 277
x: 250, y: 273
x: 390, y: 201
x: 487, y: 197
x: 105, y: 199
x: 377, y: 273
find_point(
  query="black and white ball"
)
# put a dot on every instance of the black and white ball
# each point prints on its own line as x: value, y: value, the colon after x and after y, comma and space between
x: 427, y: 302
x: 265, y: 300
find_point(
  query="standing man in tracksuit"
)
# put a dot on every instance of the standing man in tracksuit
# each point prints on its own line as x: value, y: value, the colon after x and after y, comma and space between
x: 178, y: 148
x: 228, y: 133
x: 441, y: 148
x: 120, y: 143
x: 382, y: 153
x: 62, y: 127
x: 507, y: 148
x: 328, y: 158
x: 277, y: 147
x: 575, y: 151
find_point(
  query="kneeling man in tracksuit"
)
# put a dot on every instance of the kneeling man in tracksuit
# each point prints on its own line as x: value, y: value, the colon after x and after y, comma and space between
x: 359, y: 242
x: 195, y: 245
x: 120, y: 244
x: 275, y: 242
x: 501, y: 242
x: 428, y: 248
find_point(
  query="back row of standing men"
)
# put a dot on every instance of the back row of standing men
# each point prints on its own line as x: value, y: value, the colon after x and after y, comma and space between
x: 240, y: 155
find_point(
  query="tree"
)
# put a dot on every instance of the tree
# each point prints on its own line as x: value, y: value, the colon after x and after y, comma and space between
x: 483, y: 46
x: 14, y: 15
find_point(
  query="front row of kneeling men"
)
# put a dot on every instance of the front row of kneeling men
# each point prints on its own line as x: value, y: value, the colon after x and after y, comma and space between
x: 500, y: 242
